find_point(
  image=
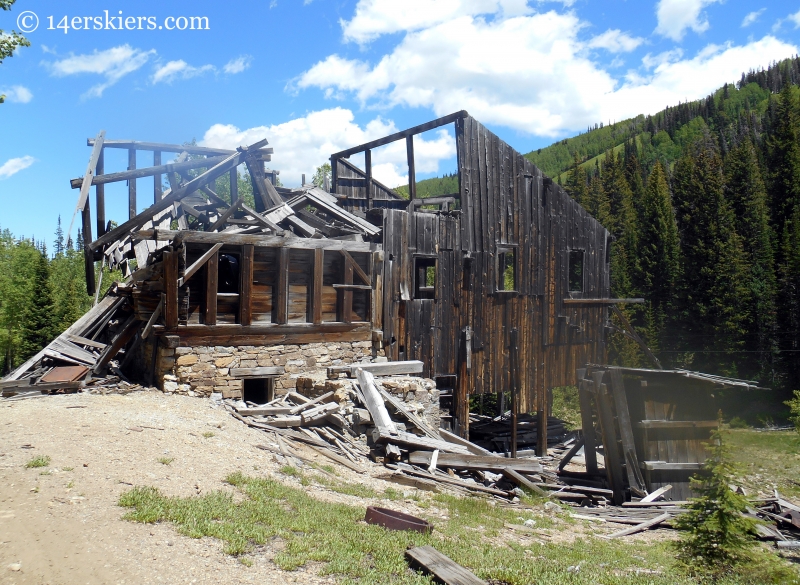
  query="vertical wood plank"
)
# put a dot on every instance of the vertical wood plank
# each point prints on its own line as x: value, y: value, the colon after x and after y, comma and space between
x: 316, y: 286
x: 246, y: 285
x: 157, y: 190
x: 131, y: 184
x: 212, y: 281
x: 368, y: 170
x: 347, y: 295
x: 412, y: 180
x: 234, y: 185
x: 100, y: 195
x: 282, y: 301
x: 88, y: 255
x: 626, y: 431
x: 171, y: 289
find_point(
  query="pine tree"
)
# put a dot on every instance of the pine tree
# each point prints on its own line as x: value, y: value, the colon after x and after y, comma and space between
x: 745, y: 190
x: 37, y: 318
x: 783, y: 158
x: 576, y: 184
x: 59, y: 243
x: 789, y: 300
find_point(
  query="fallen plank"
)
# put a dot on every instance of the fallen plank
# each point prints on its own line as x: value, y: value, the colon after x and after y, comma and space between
x: 640, y: 527
x: 479, y: 462
x: 471, y: 447
x: 318, y: 413
x: 523, y: 481
x: 374, y: 403
x: 310, y: 403
x: 407, y: 480
x: 789, y: 544
x: 266, y: 411
x: 414, y: 419
x: 456, y: 482
x: 378, y: 369
x: 656, y: 494
x: 652, y: 504
x: 441, y: 567
x: 413, y: 441
x: 334, y: 457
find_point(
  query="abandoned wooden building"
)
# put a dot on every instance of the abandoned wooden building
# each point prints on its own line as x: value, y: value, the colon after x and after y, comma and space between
x: 500, y: 286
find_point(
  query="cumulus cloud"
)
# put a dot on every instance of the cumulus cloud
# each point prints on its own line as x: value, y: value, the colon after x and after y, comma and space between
x: 113, y: 64
x: 795, y: 18
x: 17, y: 93
x: 675, y: 16
x: 374, y: 18
x: 752, y: 17
x: 237, y: 65
x: 615, y: 41
x: 14, y: 165
x: 531, y: 72
x: 302, y: 144
x: 179, y: 69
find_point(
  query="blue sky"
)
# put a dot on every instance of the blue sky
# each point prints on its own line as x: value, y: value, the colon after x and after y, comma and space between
x: 317, y: 76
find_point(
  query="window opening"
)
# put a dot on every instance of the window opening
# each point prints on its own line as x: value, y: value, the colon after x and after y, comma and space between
x: 258, y: 390
x: 576, y: 271
x: 228, y: 274
x: 424, y: 278
x: 506, y: 269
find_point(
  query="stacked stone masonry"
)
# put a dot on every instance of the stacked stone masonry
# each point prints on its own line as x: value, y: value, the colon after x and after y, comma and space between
x: 199, y: 371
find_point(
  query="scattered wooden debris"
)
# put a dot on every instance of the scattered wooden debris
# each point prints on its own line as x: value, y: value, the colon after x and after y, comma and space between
x: 443, y: 569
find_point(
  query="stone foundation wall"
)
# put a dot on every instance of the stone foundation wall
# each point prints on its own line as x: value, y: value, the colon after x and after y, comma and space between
x: 199, y: 371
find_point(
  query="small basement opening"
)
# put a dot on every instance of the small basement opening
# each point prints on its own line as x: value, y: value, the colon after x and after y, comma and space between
x: 258, y: 390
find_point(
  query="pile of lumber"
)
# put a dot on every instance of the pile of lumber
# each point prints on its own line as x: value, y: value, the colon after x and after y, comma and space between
x: 494, y: 433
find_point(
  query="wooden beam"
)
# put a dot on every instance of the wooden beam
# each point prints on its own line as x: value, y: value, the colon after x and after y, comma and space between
x: 154, y: 171
x: 611, y: 451
x: 443, y: 121
x: 212, y: 285
x: 640, y: 527
x: 153, y: 318
x: 626, y: 431
x: 100, y: 196
x: 246, y: 285
x: 170, y: 263
x: 83, y: 196
x: 374, y: 403
x: 131, y: 184
x: 234, y: 186
x: 88, y: 255
x: 282, y: 296
x: 203, y: 150
x: 368, y: 173
x: 262, y: 372
x: 157, y: 189
x: 197, y: 264
x: 347, y: 293
x: 361, y: 274
x: 316, y: 286
x: 412, y: 178
x: 261, y: 240
x: 587, y: 423
x: 441, y: 567
x: 602, y: 301
x: 223, y: 218
x: 479, y: 462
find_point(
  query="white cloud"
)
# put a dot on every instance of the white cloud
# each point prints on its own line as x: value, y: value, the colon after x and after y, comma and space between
x: 675, y: 16
x: 17, y: 93
x: 795, y: 18
x: 304, y: 143
x: 532, y: 73
x: 14, y: 165
x: 178, y: 69
x: 752, y: 17
x: 113, y: 64
x: 615, y: 41
x: 237, y: 65
x: 374, y: 18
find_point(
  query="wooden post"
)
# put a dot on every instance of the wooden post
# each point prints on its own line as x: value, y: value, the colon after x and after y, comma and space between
x: 234, y: 182
x: 171, y: 289
x: 512, y: 375
x: 88, y: 255
x: 613, y: 463
x: 368, y: 169
x: 587, y: 424
x: 212, y: 286
x: 461, y: 397
x: 246, y: 285
x: 347, y: 294
x: 100, y: 196
x: 625, y: 428
x: 316, y: 286
x: 334, y: 174
x: 131, y: 184
x: 282, y: 302
x: 157, y: 191
x: 541, y: 422
x: 412, y: 180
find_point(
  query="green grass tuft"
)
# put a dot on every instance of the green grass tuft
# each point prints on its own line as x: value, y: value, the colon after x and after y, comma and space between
x: 166, y: 460
x: 38, y: 461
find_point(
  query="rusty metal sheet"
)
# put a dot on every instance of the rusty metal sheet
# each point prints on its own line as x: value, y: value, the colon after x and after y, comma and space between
x: 64, y: 374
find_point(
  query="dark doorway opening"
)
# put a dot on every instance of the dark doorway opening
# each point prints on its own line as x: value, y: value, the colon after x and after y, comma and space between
x: 258, y: 390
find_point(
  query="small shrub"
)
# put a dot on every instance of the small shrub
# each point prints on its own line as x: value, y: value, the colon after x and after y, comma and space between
x: 38, y: 461
x: 166, y: 460
x: 208, y: 434
x: 716, y: 538
x: 794, y: 406
x: 738, y: 423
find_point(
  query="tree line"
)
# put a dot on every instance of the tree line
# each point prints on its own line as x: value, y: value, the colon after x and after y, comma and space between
x: 705, y: 213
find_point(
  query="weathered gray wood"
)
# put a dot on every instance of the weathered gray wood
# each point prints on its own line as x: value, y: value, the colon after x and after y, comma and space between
x: 265, y: 411
x: 626, y: 432
x: 413, y: 418
x: 441, y: 567
x: 523, y: 481
x: 479, y: 462
x: 262, y: 372
x: 202, y: 150
x: 640, y: 527
x: 379, y: 368
x: 86, y: 183
x: 471, y: 447
x: 411, y: 440
x: 664, y: 466
x: 318, y: 413
x: 198, y: 264
x: 153, y: 318
x: 325, y: 452
x: 261, y: 240
x: 309, y: 404
x: 374, y: 403
x: 652, y: 497
x: 100, y: 179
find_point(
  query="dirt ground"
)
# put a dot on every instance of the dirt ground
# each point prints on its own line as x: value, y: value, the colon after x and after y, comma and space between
x: 61, y: 524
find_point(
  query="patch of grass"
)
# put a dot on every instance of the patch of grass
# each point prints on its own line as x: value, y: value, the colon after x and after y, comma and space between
x: 289, y: 470
x: 48, y: 472
x: 567, y: 407
x: 336, y: 536
x: 208, y: 435
x: 70, y: 484
x: 38, y: 461
x: 392, y: 494
x: 67, y: 468
x: 166, y: 460
x: 247, y: 562
x: 738, y: 423
x: 767, y: 458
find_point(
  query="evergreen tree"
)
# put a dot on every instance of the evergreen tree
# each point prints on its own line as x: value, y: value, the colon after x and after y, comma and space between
x: 59, y: 243
x: 576, y: 184
x: 789, y: 300
x: 783, y: 158
x: 37, y: 327
x: 745, y: 190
